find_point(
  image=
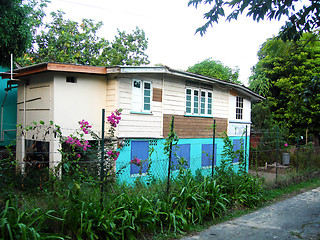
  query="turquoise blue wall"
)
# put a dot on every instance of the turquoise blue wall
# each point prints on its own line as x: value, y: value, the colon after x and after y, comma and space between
x: 159, y: 161
x: 9, y: 111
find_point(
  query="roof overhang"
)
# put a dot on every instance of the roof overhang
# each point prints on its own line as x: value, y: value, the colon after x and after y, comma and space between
x: 186, y: 75
x: 61, y: 67
x: 54, y: 67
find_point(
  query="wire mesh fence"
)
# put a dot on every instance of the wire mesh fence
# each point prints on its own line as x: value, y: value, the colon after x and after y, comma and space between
x: 267, y: 151
x: 274, y: 156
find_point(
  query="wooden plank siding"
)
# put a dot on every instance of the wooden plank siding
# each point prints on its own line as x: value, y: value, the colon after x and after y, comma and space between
x: 220, y: 103
x: 111, y: 95
x: 174, y: 96
x: 157, y: 95
x: 193, y: 127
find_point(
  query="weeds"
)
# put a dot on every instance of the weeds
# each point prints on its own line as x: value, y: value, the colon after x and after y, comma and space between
x: 71, y: 207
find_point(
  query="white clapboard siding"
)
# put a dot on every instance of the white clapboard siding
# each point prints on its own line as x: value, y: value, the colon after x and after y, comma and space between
x: 111, y: 95
x: 246, y: 110
x: 220, y: 103
x: 174, y: 96
x: 135, y: 124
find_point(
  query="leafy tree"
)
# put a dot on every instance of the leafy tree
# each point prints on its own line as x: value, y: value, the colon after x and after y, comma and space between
x: 304, y: 20
x: 215, y: 69
x: 289, y: 80
x: 67, y: 41
x: 18, y: 22
x: 128, y: 49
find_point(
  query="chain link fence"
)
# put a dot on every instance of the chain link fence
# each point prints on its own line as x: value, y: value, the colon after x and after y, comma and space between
x: 268, y: 152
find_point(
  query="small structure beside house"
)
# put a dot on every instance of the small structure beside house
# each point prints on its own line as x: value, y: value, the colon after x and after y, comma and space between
x: 149, y: 96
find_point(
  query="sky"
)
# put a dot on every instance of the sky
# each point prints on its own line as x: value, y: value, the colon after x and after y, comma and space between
x: 170, y: 27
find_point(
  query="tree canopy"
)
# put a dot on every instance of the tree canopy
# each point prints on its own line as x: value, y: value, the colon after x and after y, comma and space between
x: 306, y: 19
x: 67, y: 41
x: 289, y: 79
x: 18, y: 22
x: 215, y: 69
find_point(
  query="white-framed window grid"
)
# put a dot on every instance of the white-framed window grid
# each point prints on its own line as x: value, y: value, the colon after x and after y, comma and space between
x: 198, y: 102
x: 239, y: 107
x: 141, y: 95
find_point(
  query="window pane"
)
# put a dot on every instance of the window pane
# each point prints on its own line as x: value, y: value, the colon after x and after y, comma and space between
x: 147, y: 107
x: 188, y: 101
x: 146, y: 100
x: 209, y: 104
x: 147, y: 92
x: 147, y: 96
x: 203, y: 103
x: 239, y: 107
x: 136, y: 84
x: 196, y: 102
x: 147, y: 86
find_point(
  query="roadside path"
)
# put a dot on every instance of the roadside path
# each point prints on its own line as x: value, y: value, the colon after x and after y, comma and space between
x: 294, y: 218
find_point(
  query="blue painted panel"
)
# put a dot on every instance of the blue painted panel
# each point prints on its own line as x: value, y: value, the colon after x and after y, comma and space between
x: 9, y: 111
x: 139, y: 149
x: 190, y: 149
x: 206, y: 158
x: 236, y: 147
x: 180, y: 151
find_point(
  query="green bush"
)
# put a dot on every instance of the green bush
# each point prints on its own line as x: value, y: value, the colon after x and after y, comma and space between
x: 17, y: 223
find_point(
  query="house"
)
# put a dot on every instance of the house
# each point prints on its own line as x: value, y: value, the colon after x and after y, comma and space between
x: 8, y: 111
x: 149, y: 97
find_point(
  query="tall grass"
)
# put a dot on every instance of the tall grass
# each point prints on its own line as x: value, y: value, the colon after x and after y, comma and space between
x: 127, y: 212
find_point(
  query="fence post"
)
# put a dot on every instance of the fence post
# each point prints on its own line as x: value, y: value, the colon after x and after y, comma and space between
x: 170, y: 153
x: 245, y: 149
x: 213, y: 144
x: 102, y: 158
x: 277, y: 155
x: 298, y: 152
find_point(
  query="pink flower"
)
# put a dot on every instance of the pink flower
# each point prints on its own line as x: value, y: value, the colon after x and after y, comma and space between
x: 286, y: 144
x: 78, y: 156
x: 84, y: 125
x: 114, y: 118
x: 113, y: 154
x: 136, y: 161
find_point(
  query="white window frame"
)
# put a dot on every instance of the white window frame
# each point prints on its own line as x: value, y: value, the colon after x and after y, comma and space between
x: 197, y: 107
x: 239, y: 107
x: 138, y: 102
